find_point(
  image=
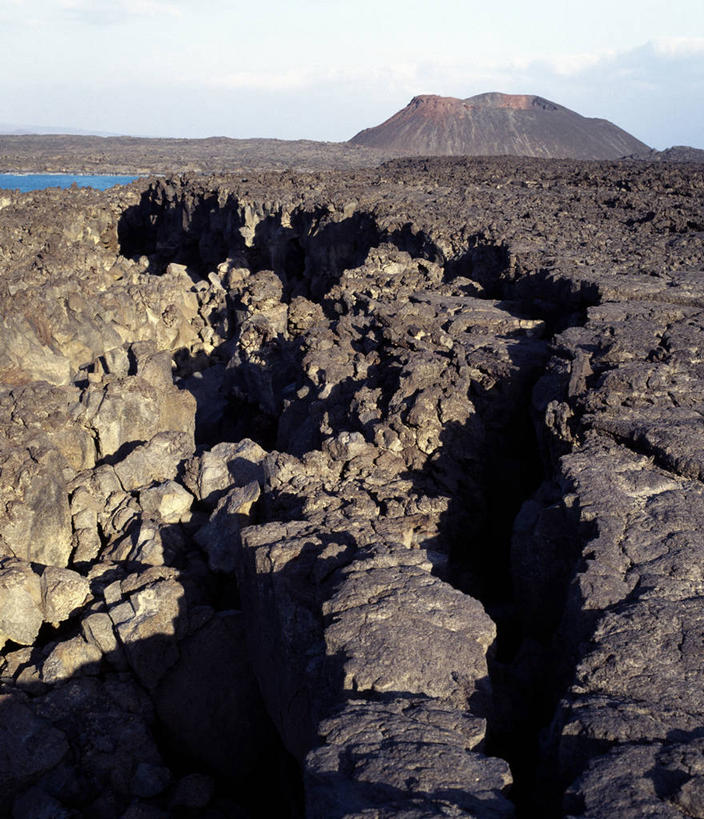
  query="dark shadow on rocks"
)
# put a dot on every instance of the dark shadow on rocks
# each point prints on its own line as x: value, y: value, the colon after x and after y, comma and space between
x: 484, y: 262
x: 558, y: 300
x: 144, y: 704
x: 329, y: 251
x: 222, y: 414
x: 121, y: 453
x: 416, y: 243
x: 173, y: 224
x: 304, y: 424
x: 396, y: 801
x: 201, y: 229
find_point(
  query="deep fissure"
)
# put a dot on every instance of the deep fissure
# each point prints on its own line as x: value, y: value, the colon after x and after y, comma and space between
x: 309, y: 266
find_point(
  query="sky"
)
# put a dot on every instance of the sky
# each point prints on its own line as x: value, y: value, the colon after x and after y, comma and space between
x: 325, y: 69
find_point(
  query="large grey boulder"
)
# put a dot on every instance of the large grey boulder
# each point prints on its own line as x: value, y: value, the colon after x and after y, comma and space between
x: 21, y: 610
x: 147, y: 616
x: 155, y: 461
x: 211, y: 473
x: 35, y: 523
x: 129, y: 410
x: 406, y: 758
x: 64, y: 592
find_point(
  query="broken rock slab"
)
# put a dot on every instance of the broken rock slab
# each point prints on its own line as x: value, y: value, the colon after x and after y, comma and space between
x: 156, y: 461
x: 148, y: 613
x: 169, y: 501
x: 35, y: 522
x: 64, y: 592
x: 210, y: 474
x: 403, y: 757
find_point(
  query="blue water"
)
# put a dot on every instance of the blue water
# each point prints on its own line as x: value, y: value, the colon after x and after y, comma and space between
x: 38, y: 181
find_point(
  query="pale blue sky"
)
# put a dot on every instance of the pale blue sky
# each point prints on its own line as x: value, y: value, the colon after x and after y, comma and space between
x: 324, y: 70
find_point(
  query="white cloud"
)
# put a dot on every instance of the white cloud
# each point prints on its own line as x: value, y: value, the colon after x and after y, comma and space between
x: 570, y: 64
x: 116, y: 11
x: 55, y: 14
x: 376, y: 80
x: 678, y: 46
x: 21, y: 13
x: 261, y: 80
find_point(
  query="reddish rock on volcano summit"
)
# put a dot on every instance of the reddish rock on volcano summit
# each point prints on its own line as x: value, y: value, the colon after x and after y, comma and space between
x: 497, y: 124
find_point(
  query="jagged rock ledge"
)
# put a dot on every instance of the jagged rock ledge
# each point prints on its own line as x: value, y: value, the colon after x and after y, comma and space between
x: 362, y: 494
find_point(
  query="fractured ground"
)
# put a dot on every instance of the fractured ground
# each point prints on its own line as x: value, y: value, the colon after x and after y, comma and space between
x: 389, y: 477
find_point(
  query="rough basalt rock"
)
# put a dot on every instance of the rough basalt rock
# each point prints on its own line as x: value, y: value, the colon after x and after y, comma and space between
x: 354, y: 494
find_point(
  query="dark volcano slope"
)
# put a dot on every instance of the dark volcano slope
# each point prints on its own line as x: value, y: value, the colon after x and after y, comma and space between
x: 497, y: 125
x: 357, y: 494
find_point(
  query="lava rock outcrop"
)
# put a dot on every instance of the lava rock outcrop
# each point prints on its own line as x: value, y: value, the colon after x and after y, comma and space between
x: 356, y: 494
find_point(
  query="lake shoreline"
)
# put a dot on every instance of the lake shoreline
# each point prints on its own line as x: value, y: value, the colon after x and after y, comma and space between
x: 26, y: 182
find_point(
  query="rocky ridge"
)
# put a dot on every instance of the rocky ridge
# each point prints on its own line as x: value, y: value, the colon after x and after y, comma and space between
x: 677, y: 153
x: 384, y: 482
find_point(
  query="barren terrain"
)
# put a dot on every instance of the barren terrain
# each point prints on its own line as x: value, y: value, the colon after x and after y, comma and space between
x: 136, y: 155
x: 351, y: 494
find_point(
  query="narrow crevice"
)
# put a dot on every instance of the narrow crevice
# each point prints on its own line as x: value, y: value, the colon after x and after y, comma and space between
x: 309, y: 254
x: 484, y: 568
x: 522, y: 500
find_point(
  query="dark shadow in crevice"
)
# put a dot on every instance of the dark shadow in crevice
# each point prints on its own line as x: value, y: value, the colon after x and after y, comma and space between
x: 199, y: 230
x: 483, y: 262
x: 172, y: 223
x: 311, y: 255
x: 478, y: 528
x: 416, y: 243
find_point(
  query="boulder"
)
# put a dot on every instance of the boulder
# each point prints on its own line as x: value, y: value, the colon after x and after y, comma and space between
x: 35, y: 522
x: 63, y: 592
x: 155, y: 461
x: 21, y: 610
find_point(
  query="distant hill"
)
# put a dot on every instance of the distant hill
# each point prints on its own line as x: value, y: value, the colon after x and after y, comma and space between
x: 14, y: 129
x: 498, y: 124
x: 677, y: 153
